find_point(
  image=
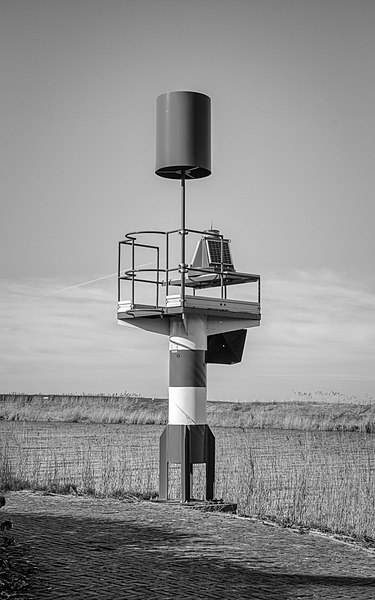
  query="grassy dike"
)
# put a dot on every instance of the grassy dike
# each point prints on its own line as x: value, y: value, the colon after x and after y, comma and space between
x: 299, y: 414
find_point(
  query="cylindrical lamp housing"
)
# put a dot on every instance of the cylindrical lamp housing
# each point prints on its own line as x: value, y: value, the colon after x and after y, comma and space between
x: 183, y: 135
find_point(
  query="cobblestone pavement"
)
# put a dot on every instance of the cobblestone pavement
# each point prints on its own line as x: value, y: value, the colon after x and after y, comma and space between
x: 89, y: 548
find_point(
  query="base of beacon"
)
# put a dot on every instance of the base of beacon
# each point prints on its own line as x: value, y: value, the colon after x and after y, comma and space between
x: 187, y: 445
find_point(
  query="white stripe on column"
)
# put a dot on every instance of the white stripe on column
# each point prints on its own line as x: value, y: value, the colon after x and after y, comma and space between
x: 187, y: 406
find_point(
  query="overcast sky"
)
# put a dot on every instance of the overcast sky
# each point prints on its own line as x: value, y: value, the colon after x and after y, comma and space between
x: 292, y: 85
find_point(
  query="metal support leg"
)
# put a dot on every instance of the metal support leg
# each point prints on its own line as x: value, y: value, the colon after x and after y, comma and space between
x: 187, y: 445
x: 185, y: 466
x: 163, y: 466
x: 210, y: 464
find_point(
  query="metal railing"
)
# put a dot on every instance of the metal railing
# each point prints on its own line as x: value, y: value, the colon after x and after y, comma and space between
x: 163, y: 272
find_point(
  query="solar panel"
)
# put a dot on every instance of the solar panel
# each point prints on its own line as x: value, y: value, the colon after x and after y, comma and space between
x: 214, y: 252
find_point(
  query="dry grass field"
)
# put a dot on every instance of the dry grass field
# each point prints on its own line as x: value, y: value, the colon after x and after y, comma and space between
x: 311, y: 479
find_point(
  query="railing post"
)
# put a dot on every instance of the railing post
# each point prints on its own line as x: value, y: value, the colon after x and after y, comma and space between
x: 133, y: 274
x: 183, y: 233
x: 157, y: 277
x: 167, y: 264
x: 222, y: 265
x: 119, y: 273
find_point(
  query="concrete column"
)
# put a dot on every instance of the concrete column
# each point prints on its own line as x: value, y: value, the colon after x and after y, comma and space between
x: 187, y: 371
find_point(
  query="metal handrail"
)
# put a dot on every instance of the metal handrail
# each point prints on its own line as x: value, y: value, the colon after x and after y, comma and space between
x: 131, y: 239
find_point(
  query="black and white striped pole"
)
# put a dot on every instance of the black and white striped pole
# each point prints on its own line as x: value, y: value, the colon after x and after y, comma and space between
x: 187, y: 438
x: 187, y: 372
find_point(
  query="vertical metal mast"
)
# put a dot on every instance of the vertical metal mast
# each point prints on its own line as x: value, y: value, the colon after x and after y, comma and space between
x: 183, y: 234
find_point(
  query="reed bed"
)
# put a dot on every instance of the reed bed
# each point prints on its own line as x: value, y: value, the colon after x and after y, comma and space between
x: 313, y: 480
x: 329, y: 488
x: 89, y: 460
x: 331, y: 413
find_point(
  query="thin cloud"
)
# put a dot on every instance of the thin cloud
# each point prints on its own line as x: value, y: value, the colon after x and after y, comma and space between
x: 315, y: 325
